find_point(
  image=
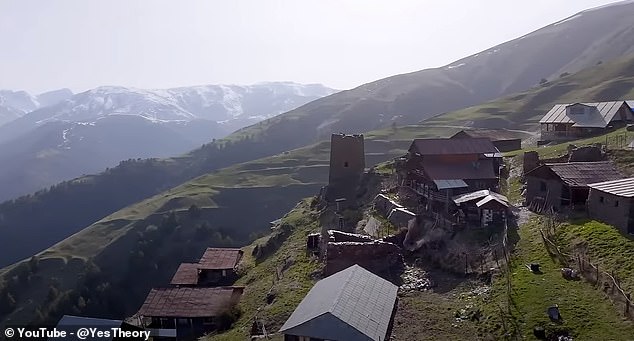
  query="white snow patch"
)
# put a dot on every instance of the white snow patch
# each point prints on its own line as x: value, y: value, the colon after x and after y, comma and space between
x: 455, y: 66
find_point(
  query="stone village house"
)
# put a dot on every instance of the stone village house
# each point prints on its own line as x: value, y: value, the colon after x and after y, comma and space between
x: 612, y: 202
x: 565, y: 185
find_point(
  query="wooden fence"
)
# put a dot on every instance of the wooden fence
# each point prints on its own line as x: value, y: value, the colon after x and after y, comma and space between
x: 608, y: 282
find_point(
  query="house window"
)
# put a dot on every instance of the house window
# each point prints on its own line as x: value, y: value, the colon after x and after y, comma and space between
x: 345, y: 164
x: 601, y: 199
x: 542, y: 186
x: 616, y: 203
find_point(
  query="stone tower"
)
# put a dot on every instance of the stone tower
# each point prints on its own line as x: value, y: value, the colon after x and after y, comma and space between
x: 347, y: 164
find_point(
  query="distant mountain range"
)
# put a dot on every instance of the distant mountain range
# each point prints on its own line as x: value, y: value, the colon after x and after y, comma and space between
x: 266, y: 178
x: 57, y: 136
x: 14, y: 104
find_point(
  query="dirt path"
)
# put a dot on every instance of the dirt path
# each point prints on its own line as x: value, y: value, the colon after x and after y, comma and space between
x: 446, y: 311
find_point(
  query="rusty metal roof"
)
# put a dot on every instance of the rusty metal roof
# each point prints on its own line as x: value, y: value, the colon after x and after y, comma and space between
x: 187, y: 274
x: 491, y: 134
x: 453, y: 146
x: 219, y: 259
x: 580, y: 174
x: 189, y: 302
x: 600, y: 114
x: 621, y: 187
x: 481, y: 169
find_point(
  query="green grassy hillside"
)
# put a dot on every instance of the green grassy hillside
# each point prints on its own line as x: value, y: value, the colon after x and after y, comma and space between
x: 264, y: 189
x: 604, y: 82
x: 59, y: 214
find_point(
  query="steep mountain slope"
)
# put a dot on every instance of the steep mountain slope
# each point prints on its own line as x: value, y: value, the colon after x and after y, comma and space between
x: 578, y: 42
x: 96, y: 129
x: 266, y: 138
x: 606, y: 81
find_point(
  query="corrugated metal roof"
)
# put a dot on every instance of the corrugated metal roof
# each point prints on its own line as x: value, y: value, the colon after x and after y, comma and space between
x: 189, y: 302
x: 453, y: 146
x: 355, y: 296
x: 219, y: 259
x: 445, y: 184
x: 600, y: 115
x: 621, y: 187
x: 187, y: 274
x: 70, y: 320
x: 580, y: 174
x: 478, y: 195
x: 70, y: 324
x: 488, y: 198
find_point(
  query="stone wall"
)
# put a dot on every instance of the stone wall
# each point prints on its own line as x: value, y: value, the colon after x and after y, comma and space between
x: 384, y: 205
x: 400, y: 217
x: 338, y: 236
x: 586, y: 154
x: 347, y: 164
x: 610, y: 209
x: 378, y: 257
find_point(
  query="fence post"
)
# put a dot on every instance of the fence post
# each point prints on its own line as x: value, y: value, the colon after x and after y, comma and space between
x: 466, y: 264
x: 598, y: 275
x: 495, y: 254
x: 627, y: 304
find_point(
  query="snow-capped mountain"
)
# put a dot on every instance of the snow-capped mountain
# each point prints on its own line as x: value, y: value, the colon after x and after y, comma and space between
x: 89, y: 131
x: 15, y: 104
x: 231, y: 105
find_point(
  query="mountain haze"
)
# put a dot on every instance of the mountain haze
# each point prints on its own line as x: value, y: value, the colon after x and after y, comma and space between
x: 15, y: 104
x: 364, y: 108
x: 266, y: 167
x: 98, y: 128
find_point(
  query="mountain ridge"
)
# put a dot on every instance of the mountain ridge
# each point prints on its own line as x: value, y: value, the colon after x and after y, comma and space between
x: 98, y: 128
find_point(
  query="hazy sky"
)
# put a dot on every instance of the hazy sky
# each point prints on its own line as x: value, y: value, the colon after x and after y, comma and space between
x: 80, y: 44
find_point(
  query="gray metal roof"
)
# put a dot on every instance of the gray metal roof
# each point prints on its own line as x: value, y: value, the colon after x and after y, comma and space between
x: 601, y: 114
x: 445, y: 184
x: 494, y: 198
x: 353, y: 304
x: 621, y: 187
x: 479, y: 195
x: 71, y: 323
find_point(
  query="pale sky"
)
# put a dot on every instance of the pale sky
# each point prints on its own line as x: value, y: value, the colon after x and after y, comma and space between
x: 81, y: 44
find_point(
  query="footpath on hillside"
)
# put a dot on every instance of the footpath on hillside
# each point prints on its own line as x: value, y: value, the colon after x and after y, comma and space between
x: 586, y: 313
